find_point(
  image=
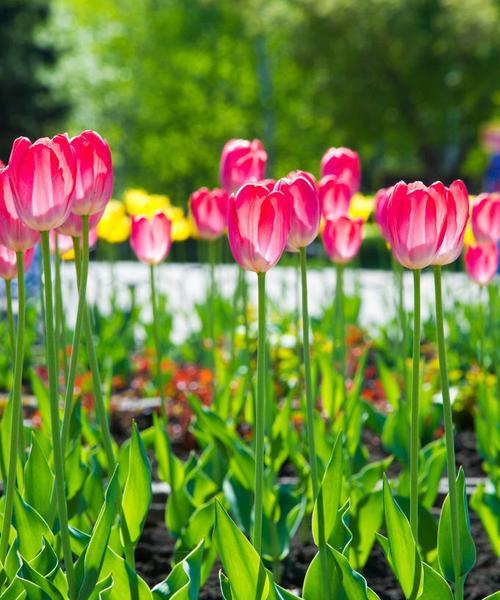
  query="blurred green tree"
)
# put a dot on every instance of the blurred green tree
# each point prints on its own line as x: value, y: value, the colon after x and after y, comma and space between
x: 28, y: 105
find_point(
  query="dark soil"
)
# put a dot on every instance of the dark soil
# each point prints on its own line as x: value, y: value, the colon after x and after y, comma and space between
x: 155, y: 550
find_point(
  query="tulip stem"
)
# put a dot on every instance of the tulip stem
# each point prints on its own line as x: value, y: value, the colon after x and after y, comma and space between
x: 260, y: 415
x: 82, y: 291
x: 54, y: 416
x: 341, y: 351
x: 492, y: 293
x: 448, y: 430
x: 212, y: 253
x: 100, y: 408
x: 156, y: 338
x: 414, y: 427
x: 10, y: 317
x: 16, y: 415
x: 58, y: 303
x: 310, y: 425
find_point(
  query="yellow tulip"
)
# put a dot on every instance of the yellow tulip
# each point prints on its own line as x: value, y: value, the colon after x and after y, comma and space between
x: 114, y: 226
x: 139, y: 202
x: 181, y: 230
x: 361, y: 207
x: 175, y: 213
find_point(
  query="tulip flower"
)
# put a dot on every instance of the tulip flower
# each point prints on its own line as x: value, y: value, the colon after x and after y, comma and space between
x: 258, y: 227
x: 65, y: 243
x: 151, y: 238
x: 342, y: 238
x: 309, y: 176
x: 342, y: 163
x: 335, y: 196
x: 209, y: 210
x: 43, y: 176
x: 454, y: 212
x: 13, y: 232
x: 381, y: 199
x: 485, y: 218
x: 94, y: 173
x: 8, y: 267
x: 304, y: 211
x: 242, y: 162
x: 73, y: 226
x: 481, y: 262
x: 139, y: 203
x: 114, y: 226
x: 415, y: 224
x: 268, y: 184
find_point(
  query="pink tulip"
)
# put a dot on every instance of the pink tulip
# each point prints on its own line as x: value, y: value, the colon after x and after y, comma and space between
x: 94, y: 173
x: 151, y: 238
x: 268, y: 184
x: 485, y: 218
x: 335, y: 196
x: 343, y: 163
x: 258, y: 226
x: 209, y: 210
x: 8, y: 262
x: 342, y: 238
x: 242, y: 162
x: 13, y: 232
x: 454, y: 212
x: 43, y: 177
x: 73, y: 226
x: 304, y: 211
x: 481, y: 262
x: 415, y: 229
x: 380, y: 215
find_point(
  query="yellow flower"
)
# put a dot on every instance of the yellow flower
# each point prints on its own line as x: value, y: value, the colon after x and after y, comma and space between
x: 139, y: 202
x: 69, y: 255
x: 469, y: 239
x: 114, y: 226
x: 175, y: 213
x: 181, y: 229
x: 361, y: 207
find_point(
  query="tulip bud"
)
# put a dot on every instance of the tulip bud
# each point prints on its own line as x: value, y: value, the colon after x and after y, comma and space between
x: 304, y: 211
x: 94, y: 173
x: 209, y: 210
x: 335, y: 196
x: 342, y: 238
x: 258, y: 226
x: 42, y: 176
x: 343, y: 163
x: 485, y: 218
x: 151, y: 238
x: 242, y: 162
x: 481, y: 262
x: 13, y: 232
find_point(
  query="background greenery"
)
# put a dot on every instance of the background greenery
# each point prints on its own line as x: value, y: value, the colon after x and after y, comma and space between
x: 408, y: 83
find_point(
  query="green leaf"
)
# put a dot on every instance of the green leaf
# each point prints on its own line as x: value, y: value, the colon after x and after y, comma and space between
x: 445, y: 540
x: 245, y: 571
x: 15, y: 591
x: 184, y: 580
x: 31, y: 528
x: 364, y: 524
x: 434, y: 586
x: 313, y: 588
x: 165, y: 456
x: 127, y: 584
x: 404, y: 552
x: 137, y: 491
x: 487, y: 505
x: 89, y: 564
x: 353, y: 583
x: 38, y: 479
x: 329, y: 493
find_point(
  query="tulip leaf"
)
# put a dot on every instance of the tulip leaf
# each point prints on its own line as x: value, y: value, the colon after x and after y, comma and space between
x: 245, y: 571
x: 184, y: 580
x: 137, y: 490
x: 445, y: 543
x: 38, y: 479
x: 434, y: 586
x: 329, y: 493
x: 364, y: 524
x: 486, y: 505
x: 31, y: 528
x: 404, y: 552
x: 88, y: 566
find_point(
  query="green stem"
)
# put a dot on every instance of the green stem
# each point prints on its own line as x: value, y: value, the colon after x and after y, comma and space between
x: 16, y: 415
x: 260, y: 415
x: 156, y: 338
x: 212, y: 253
x: 60, y: 321
x: 310, y: 426
x: 10, y: 317
x: 414, y: 426
x: 448, y: 430
x: 341, y: 350
x: 54, y: 415
x: 82, y: 291
x: 492, y: 291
